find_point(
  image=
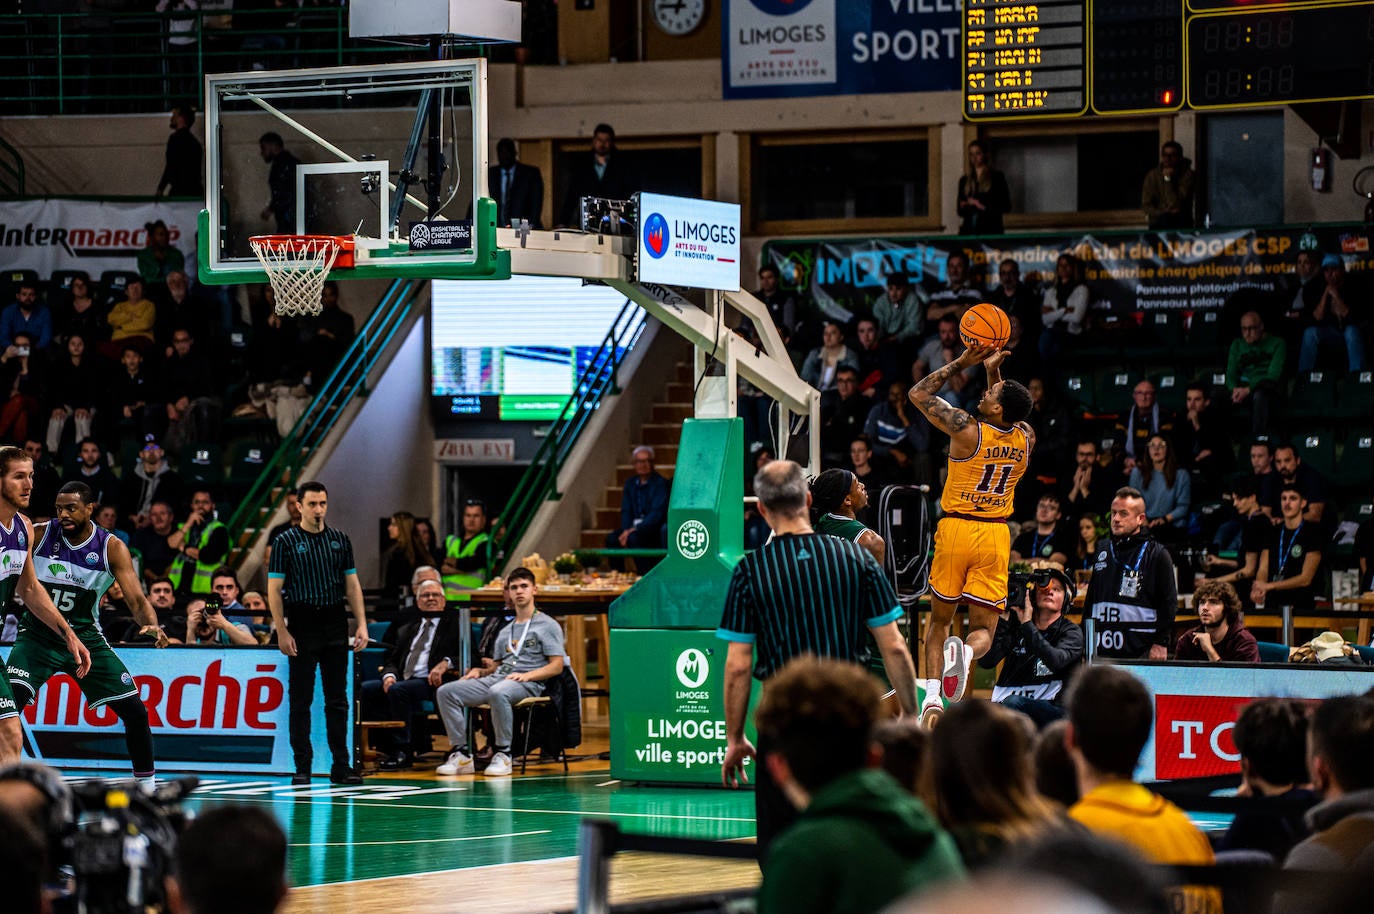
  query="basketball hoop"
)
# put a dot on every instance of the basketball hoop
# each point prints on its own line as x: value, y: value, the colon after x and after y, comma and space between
x: 298, y: 265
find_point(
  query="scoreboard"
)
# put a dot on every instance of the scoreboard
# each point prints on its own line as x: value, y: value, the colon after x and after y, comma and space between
x: 1068, y: 58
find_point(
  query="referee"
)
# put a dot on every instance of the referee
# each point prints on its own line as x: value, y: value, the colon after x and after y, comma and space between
x: 310, y: 576
x: 802, y: 593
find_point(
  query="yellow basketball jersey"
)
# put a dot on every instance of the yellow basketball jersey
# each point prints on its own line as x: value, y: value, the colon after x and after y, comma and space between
x: 982, y: 484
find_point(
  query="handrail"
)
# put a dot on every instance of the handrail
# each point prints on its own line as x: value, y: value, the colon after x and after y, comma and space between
x: 346, y: 381
x: 11, y: 171
x: 540, y: 480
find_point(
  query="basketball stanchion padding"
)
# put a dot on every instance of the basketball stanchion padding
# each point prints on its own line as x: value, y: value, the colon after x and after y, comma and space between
x: 298, y: 265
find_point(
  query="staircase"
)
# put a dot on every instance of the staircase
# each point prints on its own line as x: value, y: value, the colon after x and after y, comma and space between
x: 661, y: 432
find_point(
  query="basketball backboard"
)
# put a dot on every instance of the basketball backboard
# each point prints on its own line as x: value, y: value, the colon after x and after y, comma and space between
x: 394, y: 155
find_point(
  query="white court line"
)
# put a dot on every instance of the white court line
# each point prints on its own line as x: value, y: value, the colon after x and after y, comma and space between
x: 607, y: 783
x: 456, y: 869
x: 514, y: 834
x: 585, y: 813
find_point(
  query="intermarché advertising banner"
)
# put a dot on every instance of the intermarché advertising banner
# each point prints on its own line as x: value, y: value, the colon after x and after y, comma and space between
x: 792, y: 48
x: 50, y: 234
x: 1126, y: 271
x: 211, y: 709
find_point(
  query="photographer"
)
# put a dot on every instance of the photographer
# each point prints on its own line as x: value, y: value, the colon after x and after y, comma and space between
x: 1040, y: 646
x: 206, y: 624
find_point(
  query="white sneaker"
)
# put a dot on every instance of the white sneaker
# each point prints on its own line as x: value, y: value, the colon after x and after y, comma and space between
x: 458, y: 762
x: 958, y: 658
x: 498, y: 767
x: 932, y: 708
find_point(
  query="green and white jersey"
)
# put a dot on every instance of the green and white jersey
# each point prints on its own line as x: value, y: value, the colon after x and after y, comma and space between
x: 75, y: 576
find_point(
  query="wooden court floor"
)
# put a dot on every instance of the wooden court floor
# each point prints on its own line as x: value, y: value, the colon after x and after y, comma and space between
x: 424, y: 844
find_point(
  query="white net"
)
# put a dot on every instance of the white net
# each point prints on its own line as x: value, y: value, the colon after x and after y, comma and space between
x: 297, y: 266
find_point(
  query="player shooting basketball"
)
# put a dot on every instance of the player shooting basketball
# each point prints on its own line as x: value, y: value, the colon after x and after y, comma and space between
x: 988, y: 452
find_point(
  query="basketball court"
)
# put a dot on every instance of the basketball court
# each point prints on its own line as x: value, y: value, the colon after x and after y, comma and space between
x: 421, y: 843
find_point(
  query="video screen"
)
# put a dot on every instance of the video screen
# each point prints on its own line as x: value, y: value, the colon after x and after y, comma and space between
x: 514, y: 350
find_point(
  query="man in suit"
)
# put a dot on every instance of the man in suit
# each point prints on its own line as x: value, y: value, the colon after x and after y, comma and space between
x: 517, y: 188
x: 604, y: 173
x: 421, y: 653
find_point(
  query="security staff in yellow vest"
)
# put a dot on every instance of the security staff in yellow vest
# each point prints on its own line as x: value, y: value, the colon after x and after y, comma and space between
x: 465, y: 558
x: 201, y: 544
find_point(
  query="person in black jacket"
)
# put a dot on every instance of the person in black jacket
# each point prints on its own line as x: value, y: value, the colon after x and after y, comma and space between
x: 517, y: 188
x: 1041, y: 649
x: 605, y: 173
x: 421, y: 653
x: 1133, y: 593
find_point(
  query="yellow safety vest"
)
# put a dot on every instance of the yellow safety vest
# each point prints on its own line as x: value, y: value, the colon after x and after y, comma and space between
x: 200, y: 574
x: 455, y: 548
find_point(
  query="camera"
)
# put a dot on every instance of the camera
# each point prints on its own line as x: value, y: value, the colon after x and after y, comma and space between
x: 111, y: 844
x: 213, y: 605
x: 21, y: 351
x: 1019, y: 583
x: 120, y: 847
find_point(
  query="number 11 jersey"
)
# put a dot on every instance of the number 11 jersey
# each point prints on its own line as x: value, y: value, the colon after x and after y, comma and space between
x: 981, y: 486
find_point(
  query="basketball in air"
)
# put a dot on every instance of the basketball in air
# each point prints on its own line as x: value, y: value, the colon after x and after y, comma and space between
x: 984, y: 325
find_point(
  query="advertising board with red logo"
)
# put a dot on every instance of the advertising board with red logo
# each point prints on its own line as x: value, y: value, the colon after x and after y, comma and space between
x: 51, y: 234
x: 1196, y: 707
x: 210, y: 709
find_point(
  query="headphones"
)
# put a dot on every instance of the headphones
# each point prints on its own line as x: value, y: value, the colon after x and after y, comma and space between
x: 61, y: 806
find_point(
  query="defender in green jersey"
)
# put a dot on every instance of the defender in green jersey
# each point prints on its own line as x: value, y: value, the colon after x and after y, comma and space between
x: 75, y: 561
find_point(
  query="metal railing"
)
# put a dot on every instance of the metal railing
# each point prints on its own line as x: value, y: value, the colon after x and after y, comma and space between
x: 11, y: 171
x: 540, y: 481
x: 348, y: 380
x: 100, y: 62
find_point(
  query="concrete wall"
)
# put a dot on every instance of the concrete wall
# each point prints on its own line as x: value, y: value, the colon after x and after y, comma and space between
x: 384, y: 462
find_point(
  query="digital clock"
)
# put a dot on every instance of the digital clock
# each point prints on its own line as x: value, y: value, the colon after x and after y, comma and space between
x: 1281, y: 56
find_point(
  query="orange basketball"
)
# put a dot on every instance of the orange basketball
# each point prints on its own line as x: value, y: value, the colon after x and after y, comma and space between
x: 984, y: 325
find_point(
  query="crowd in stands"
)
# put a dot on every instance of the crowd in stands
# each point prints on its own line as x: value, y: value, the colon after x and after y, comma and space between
x: 888, y: 811
x: 1114, y: 407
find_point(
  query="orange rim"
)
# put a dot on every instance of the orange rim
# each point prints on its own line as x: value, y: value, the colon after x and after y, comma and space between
x: 297, y: 243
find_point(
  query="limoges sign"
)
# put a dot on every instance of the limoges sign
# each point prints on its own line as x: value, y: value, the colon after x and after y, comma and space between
x: 686, y: 242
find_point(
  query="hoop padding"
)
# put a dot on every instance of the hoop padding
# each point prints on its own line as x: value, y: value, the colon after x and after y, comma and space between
x: 298, y: 265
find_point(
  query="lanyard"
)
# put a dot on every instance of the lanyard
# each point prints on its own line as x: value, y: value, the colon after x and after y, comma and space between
x: 1035, y: 549
x: 515, y: 646
x: 1135, y: 566
x: 1286, y: 548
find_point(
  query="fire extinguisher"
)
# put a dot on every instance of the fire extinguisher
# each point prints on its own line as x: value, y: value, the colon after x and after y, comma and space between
x: 1321, y: 169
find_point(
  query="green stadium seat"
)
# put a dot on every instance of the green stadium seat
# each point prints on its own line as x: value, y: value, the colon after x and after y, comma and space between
x: 1357, y: 458
x: 1318, y: 448
x: 1357, y: 396
x: 1077, y: 388
x: 1314, y: 395
x: 1204, y: 332
x: 247, y: 460
x: 202, y: 464
x: 1162, y: 333
x: 1359, y: 512
x: 1171, y: 388
x: 1114, y: 387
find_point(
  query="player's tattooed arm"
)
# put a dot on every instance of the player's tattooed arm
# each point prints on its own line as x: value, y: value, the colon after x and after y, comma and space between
x: 925, y: 395
x: 1030, y: 435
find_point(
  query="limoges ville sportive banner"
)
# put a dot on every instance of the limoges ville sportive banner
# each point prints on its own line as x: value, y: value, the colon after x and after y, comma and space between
x: 52, y: 233
x: 790, y: 48
x: 1125, y: 271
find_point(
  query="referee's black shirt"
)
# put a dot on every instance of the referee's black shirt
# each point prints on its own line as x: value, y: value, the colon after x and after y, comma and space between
x: 806, y: 594
x: 312, y: 566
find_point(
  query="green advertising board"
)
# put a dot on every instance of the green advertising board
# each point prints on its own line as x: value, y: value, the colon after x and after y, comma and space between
x: 670, y: 726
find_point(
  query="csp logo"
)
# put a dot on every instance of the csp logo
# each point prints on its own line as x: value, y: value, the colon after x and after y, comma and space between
x: 692, y: 668
x: 656, y: 235
x: 780, y: 7
x: 693, y: 539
